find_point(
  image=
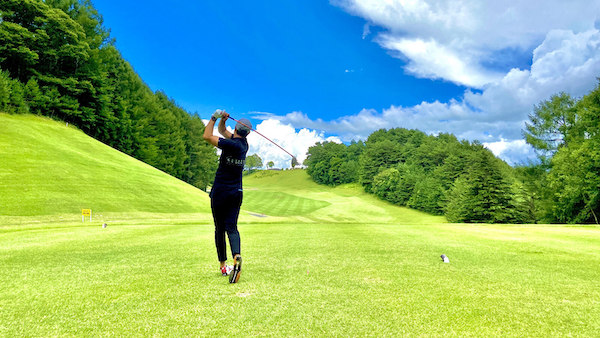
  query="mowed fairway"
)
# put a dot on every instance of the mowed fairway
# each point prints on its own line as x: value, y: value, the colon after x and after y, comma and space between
x: 318, y: 261
x: 301, y: 279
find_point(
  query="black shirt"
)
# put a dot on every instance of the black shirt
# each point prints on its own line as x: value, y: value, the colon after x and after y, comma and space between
x: 231, y: 164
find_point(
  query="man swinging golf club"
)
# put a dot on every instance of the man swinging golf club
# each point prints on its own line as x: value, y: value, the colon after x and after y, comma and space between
x: 226, y: 192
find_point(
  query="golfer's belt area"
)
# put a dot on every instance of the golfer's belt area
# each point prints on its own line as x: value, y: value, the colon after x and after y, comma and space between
x: 280, y: 204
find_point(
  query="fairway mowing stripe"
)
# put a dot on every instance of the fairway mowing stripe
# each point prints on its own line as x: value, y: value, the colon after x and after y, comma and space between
x: 281, y: 204
x: 295, y: 204
x: 302, y: 205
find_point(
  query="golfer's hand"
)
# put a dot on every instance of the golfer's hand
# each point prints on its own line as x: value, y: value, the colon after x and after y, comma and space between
x: 217, y: 114
x: 224, y: 115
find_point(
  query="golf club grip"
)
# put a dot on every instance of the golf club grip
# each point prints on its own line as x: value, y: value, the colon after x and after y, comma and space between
x: 254, y: 130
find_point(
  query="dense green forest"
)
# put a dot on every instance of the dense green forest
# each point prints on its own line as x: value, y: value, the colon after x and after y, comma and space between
x: 436, y: 174
x: 465, y: 182
x: 57, y: 60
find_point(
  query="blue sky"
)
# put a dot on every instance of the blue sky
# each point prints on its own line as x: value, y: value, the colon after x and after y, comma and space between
x: 307, y: 71
x: 272, y: 56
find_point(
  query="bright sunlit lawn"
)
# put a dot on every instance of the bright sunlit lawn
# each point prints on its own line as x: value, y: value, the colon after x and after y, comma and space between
x: 301, y: 279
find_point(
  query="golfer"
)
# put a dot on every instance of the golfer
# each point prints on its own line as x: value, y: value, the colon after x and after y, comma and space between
x: 226, y: 192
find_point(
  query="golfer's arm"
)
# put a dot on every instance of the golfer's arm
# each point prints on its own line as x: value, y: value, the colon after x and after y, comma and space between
x: 208, y: 133
x: 223, y: 129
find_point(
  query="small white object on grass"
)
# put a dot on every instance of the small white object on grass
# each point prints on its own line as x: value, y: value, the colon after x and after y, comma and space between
x: 104, y: 225
x: 445, y: 259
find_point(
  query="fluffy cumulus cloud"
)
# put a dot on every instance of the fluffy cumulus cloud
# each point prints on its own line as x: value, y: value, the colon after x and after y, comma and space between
x: 514, y: 152
x: 462, y: 41
x: 456, y: 40
x: 295, y: 142
x: 430, y: 59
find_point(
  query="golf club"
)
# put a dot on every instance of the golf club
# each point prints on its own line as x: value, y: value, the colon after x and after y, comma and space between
x: 294, y: 159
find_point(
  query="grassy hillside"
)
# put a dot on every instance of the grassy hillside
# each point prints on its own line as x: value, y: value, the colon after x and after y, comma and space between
x: 48, y: 168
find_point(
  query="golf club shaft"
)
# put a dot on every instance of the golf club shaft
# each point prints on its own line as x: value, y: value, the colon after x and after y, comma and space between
x: 268, y: 139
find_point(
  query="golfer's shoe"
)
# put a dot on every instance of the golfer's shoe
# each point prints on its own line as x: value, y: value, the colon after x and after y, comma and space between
x: 226, y: 270
x: 237, y: 270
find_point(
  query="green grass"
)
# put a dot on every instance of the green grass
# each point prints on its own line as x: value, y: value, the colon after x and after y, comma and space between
x: 301, y: 279
x: 294, y: 195
x: 48, y: 168
x: 281, y: 203
x: 318, y: 261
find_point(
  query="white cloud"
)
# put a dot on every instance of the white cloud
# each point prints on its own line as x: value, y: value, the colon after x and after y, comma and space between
x: 429, y: 59
x: 295, y: 142
x: 454, y: 39
x: 366, y: 31
x: 514, y: 152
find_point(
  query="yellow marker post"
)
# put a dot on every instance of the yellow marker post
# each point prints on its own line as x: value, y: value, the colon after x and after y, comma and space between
x: 85, y: 213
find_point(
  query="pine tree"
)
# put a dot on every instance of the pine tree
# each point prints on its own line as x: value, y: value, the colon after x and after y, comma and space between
x: 483, y: 194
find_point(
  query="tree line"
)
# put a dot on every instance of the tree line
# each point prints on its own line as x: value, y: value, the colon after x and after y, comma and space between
x: 436, y: 174
x: 465, y: 182
x: 57, y: 60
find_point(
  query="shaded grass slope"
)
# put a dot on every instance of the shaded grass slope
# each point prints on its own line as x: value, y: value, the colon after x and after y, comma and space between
x: 48, y: 168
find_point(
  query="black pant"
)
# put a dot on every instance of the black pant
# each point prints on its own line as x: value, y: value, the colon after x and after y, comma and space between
x: 226, y: 209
